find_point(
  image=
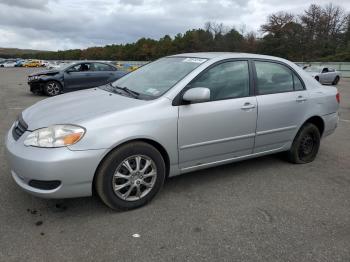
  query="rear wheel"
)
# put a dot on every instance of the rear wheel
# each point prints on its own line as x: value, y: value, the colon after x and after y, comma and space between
x: 336, y: 80
x: 52, y: 88
x: 305, y: 145
x: 130, y: 176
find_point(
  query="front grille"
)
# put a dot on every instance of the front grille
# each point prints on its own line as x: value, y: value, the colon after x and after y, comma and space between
x: 19, y: 128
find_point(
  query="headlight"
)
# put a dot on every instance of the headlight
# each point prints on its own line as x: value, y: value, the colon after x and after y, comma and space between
x: 55, y: 136
x: 31, y: 78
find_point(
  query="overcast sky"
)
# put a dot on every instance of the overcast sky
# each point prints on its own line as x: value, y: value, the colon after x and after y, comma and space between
x: 66, y: 24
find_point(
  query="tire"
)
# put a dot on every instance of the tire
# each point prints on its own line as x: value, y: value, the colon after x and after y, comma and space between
x: 113, y: 171
x: 317, y: 79
x: 336, y: 80
x: 305, y: 145
x: 52, y: 88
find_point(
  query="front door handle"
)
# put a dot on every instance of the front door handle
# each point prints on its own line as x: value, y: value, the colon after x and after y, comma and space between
x: 247, y: 106
x: 301, y: 99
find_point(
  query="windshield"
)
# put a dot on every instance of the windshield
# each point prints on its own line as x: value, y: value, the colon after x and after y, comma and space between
x: 154, y: 79
x: 314, y: 69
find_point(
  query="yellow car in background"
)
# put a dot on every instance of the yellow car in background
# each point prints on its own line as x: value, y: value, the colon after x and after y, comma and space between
x: 132, y: 68
x: 33, y: 63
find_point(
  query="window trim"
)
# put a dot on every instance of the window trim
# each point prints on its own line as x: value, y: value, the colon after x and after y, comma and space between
x: 178, y: 101
x: 294, y: 73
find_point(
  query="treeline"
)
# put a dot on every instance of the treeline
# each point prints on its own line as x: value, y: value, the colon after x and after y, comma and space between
x: 319, y: 33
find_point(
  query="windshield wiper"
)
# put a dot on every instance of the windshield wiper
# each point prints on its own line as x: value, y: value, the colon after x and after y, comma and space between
x: 128, y: 91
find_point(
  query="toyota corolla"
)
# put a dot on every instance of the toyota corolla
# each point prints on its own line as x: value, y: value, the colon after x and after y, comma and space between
x: 175, y: 115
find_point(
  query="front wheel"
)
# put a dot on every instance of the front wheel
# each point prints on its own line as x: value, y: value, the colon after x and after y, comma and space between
x: 305, y: 145
x: 130, y: 176
x: 52, y: 88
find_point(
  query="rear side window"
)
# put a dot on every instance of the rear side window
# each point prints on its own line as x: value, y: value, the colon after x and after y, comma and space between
x: 275, y: 78
x: 297, y: 83
x: 225, y: 80
x: 102, y: 67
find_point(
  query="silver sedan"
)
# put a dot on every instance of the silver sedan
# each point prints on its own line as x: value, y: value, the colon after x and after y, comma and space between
x: 324, y: 75
x: 175, y: 115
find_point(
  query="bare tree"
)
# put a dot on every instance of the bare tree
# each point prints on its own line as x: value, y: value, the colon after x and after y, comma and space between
x: 276, y: 22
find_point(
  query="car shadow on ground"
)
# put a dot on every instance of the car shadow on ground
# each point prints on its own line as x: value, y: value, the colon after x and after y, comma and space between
x: 182, y: 184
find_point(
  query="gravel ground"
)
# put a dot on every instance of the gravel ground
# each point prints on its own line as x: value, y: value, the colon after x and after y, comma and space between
x: 264, y: 209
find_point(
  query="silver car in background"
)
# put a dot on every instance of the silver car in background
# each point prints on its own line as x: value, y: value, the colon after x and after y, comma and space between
x: 323, y: 74
x: 175, y: 115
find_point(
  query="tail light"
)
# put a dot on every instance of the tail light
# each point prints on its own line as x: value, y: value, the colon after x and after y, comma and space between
x: 338, y: 97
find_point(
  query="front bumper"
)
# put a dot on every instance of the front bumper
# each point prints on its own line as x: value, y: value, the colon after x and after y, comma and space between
x: 36, y: 86
x: 74, y: 169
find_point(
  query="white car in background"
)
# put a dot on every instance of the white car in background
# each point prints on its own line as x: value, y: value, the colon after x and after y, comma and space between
x: 55, y: 65
x: 323, y: 74
x: 9, y: 64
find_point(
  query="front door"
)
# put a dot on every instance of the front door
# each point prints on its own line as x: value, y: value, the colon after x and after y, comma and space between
x: 224, y: 127
x: 78, y: 76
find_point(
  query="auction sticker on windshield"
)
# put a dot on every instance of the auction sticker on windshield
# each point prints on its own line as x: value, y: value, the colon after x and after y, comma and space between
x: 152, y: 91
x: 194, y: 60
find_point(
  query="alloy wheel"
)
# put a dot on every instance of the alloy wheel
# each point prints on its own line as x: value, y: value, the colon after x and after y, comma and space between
x: 53, y: 89
x: 134, y: 178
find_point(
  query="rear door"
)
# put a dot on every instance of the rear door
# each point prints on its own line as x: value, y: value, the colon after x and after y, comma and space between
x: 224, y: 127
x: 283, y: 103
x: 102, y: 73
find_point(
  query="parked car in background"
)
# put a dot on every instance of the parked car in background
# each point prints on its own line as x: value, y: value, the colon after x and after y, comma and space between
x: 56, y: 64
x: 8, y: 64
x: 175, y: 115
x: 323, y: 74
x: 72, y: 77
x: 33, y: 63
x: 19, y: 63
x: 44, y: 63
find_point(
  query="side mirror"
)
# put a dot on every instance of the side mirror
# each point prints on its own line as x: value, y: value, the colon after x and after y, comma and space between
x: 197, y: 94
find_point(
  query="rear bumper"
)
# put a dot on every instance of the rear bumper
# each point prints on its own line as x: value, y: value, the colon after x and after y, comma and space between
x: 330, y: 123
x: 73, y: 169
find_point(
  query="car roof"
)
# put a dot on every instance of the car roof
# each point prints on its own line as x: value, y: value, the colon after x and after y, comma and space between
x: 93, y: 61
x: 226, y: 55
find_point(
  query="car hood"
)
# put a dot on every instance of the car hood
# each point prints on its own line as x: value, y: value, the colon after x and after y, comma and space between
x: 76, y: 107
x: 45, y: 72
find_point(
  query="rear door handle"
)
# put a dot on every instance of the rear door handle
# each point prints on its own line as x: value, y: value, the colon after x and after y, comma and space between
x: 247, y: 106
x: 301, y: 99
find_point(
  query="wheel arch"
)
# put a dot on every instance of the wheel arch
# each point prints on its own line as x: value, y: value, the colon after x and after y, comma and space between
x: 317, y: 121
x: 53, y: 78
x: 149, y: 141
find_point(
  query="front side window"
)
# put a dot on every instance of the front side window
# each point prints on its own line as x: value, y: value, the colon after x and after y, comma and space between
x: 82, y: 67
x: 273, y: 78
x: 226, y: 80
x: 154, y: 79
